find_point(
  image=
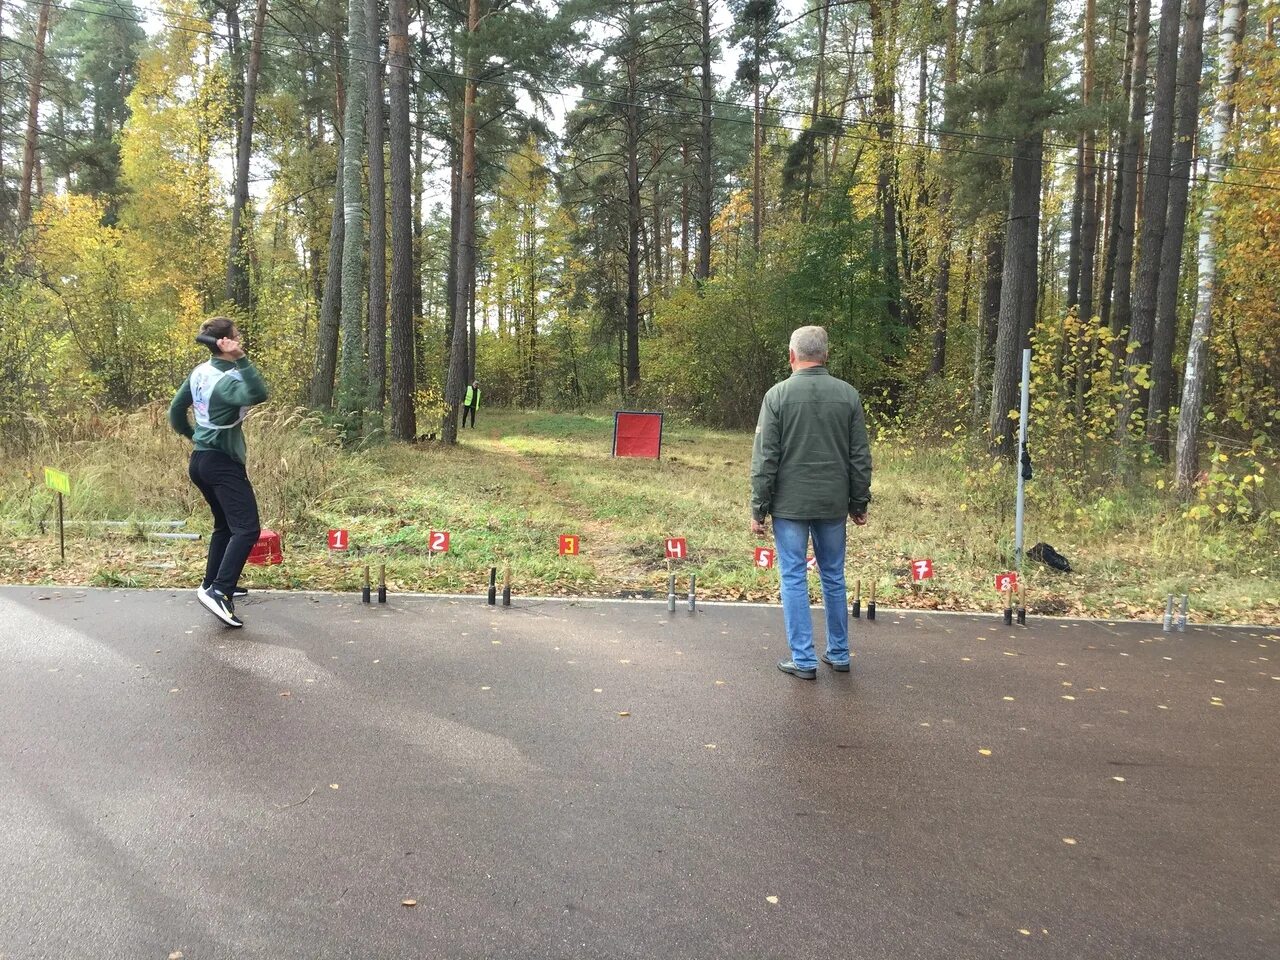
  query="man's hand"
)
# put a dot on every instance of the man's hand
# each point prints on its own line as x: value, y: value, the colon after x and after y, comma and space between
x: 758, y: 528
x: 859, y: 518
x: 230, y: 348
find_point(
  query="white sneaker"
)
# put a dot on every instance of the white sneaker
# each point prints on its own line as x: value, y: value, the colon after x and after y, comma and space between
x: 220, y: 605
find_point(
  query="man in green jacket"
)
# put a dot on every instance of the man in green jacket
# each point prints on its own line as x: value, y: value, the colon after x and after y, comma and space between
x: 811, y: 471
x: 221, y: 391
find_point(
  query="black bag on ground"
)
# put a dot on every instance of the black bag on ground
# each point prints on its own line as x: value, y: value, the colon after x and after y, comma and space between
x: 1050, y: 557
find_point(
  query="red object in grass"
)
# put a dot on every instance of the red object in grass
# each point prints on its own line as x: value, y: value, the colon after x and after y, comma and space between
x: 637, y: 434
x: 268, y: 549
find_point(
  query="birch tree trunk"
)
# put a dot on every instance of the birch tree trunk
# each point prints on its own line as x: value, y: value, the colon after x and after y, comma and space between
x: 1230, y: 33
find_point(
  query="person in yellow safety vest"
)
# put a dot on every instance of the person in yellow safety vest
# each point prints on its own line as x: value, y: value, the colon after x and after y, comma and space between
x: 471, y: 402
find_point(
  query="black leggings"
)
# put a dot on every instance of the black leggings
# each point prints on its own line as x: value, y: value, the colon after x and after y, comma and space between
x: 225, y: 485
x: 472, y: 411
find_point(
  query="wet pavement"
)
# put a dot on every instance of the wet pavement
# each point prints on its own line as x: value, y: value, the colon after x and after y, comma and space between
x: 607, y: 780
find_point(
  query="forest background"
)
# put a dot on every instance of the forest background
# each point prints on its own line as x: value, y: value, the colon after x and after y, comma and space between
x: 633, y: 202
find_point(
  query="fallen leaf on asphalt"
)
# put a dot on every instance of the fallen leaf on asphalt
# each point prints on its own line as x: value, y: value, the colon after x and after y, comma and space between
x: 1025, y: 932
x: 720, y: 683
x: 1067, y: 696
x: 985, y: 752
x: 286, y: 693
x: 598, y: 690
x: 624, y: 661
x: 624, y: 713
x: 408, y: 903
x: 1118, y: 779
x: 1069, y: 841
x: 486, y: 688
x: 1161, y: 706
x: 772, y: 899
x: 1009, y: 699
x: 333, y: 786
x: 709, y: 746
x: 1066, y: 683
x: 177, y: 954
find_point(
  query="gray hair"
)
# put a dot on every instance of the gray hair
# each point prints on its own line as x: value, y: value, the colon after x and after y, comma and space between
x: 809, y: 344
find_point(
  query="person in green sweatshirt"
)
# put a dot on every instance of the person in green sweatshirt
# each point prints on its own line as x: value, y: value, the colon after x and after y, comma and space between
x: 220, y: 391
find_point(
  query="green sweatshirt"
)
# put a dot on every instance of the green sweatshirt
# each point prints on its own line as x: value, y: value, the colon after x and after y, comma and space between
x: 811, y: 459
x: 228, y: 397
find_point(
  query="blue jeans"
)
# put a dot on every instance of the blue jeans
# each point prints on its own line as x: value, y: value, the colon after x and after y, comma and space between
x: 792, y: 540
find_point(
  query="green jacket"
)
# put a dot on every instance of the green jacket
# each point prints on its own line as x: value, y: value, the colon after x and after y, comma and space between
x: 811, y: 459
x: 228, y: 397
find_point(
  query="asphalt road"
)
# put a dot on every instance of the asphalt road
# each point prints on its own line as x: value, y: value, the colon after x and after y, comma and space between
x: 607, y: 780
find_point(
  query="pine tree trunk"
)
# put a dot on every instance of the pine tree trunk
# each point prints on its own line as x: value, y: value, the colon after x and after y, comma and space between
x: 631, y: 146
x: 702, y: 269
x: 35, y: 88
x: 352, y: 370
x: 1018, y: 287
x: 403, y: 417
x: 1155, y: 207
x: 330, y: 306
x: 1121, y: 316
x: 1230, y: 33
x: 1089, y: 176
x: 375, y: 124
x: 237, y: 267
x: 1190, y: 62
x: 942, y: 287
x: 1116, y: 148
x: 824, y: 17
x: 458, y: 351
x: 883, y: 98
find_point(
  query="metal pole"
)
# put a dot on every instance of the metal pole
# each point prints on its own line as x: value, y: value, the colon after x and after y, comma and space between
x: 1022, y: 446
x: 62, y: 533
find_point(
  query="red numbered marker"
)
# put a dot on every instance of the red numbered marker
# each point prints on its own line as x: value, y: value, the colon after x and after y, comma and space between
x: 677, y: 549
x: 339, y: 540
x: 811, y: 564
x: 921, y: 570
x: 438, y: 541
x: 569, y: 545
x: 1006, y: 581
x: 764, y: 558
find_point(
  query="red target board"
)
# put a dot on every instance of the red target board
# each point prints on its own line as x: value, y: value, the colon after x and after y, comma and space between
x: 339, y: 540
x: 438, y: 541
x: 637, y: 434
x: 921, y: 570
x: 764, y: 558
x: 570, y: 545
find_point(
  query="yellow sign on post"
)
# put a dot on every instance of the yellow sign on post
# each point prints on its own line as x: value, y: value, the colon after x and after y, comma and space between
x: 57, y: 480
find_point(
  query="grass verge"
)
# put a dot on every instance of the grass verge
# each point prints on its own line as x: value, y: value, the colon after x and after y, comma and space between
x: 516, y: 483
